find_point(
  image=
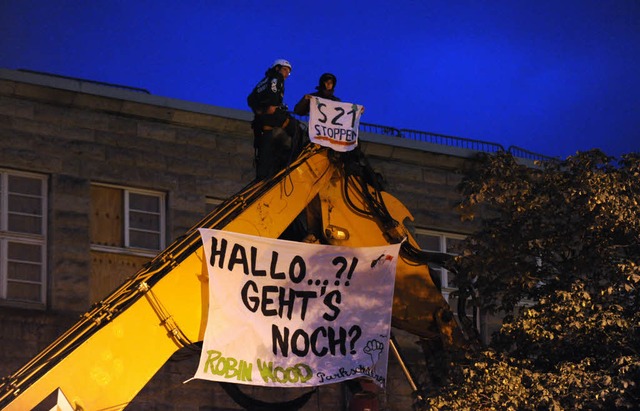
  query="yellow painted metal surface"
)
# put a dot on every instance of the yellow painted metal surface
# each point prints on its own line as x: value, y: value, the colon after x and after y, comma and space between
x: 106, y: 369
x: 416, y: 298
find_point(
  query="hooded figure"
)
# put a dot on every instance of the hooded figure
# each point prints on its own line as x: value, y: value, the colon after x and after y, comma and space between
x: 327, y: 85
x: 325, y: 88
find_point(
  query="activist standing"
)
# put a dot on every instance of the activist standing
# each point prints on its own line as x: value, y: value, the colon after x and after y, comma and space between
x: 325, y: 89
x: 275, y: 131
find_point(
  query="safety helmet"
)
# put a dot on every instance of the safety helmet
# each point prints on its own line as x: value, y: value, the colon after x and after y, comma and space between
x: 327, y: 76
x: 281, y: 62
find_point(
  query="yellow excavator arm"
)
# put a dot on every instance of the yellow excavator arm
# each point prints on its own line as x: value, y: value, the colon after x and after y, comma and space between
x: 108, y: 356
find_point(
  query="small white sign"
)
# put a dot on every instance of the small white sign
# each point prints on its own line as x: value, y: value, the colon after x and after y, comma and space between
x: 334, y: 124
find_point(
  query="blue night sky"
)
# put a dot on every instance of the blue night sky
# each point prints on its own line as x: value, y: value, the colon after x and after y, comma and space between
x: 550, y: 76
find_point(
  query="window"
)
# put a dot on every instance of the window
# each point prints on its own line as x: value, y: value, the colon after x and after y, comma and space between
x: 441, y: 243
x: 144, y: 217
x: 127, y: 218
x: 23, y: 214
x: 444, y: 243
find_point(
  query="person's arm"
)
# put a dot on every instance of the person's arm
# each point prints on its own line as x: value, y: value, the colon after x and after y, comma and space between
x: 302, y: 107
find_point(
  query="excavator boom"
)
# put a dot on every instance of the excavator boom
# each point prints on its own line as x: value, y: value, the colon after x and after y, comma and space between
x: 107, y: 357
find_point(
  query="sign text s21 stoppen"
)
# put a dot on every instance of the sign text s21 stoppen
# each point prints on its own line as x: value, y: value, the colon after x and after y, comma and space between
x: 334, y: 124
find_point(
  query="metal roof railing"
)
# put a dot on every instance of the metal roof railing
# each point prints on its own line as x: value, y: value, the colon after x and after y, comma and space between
x: 452, y: 141
x: 378, y: 129
x: 445, y: 140
x: 529, y: 155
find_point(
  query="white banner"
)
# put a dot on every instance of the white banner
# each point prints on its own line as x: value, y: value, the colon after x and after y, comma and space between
x: 290, y: 314
x: 334, y: 124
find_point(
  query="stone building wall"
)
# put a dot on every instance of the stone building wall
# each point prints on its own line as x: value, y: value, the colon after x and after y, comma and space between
x: 79, y: 133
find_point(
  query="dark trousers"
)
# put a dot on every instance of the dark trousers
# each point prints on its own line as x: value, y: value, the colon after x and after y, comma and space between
x: 273, y: 152
x: 276, y: 142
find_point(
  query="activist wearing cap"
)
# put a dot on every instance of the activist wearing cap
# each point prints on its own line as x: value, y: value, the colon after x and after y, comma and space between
x: 275, y: 131
x: 281, y: 63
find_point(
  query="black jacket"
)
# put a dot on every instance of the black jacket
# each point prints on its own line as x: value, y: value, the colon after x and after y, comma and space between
x: 303, y: 106
x: 268, y: 92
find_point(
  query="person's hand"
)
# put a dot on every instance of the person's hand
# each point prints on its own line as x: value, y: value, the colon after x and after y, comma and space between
x: 271, y: 109
x: 307, y: 96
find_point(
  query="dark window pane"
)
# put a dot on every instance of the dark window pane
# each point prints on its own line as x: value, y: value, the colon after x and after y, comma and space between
x: 24, y: 272
x: 23, y: 291
x: 144, y: 221
x: 25, y: 224
x: 144, y: 240
x: 24, y: 252
x: 144, y: 202
x: 25, y: 204
x: 24, y: 262
x: 25, y: 185
x: 429, y: 242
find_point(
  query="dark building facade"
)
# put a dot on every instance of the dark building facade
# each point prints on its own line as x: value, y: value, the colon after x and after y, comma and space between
x: 95, y: 180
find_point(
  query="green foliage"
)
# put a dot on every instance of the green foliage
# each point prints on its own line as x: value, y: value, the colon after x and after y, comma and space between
x: 546, y: 227
x: 564, y: 236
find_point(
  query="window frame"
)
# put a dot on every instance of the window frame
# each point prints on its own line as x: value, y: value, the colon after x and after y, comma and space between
x: 442, y: 237
x: 126, y: 240
x: 7, y: 236
x: 446, y: 289
x: 161, y: 220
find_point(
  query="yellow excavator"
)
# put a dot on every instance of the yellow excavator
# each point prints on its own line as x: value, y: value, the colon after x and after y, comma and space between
x: 115, y: 348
